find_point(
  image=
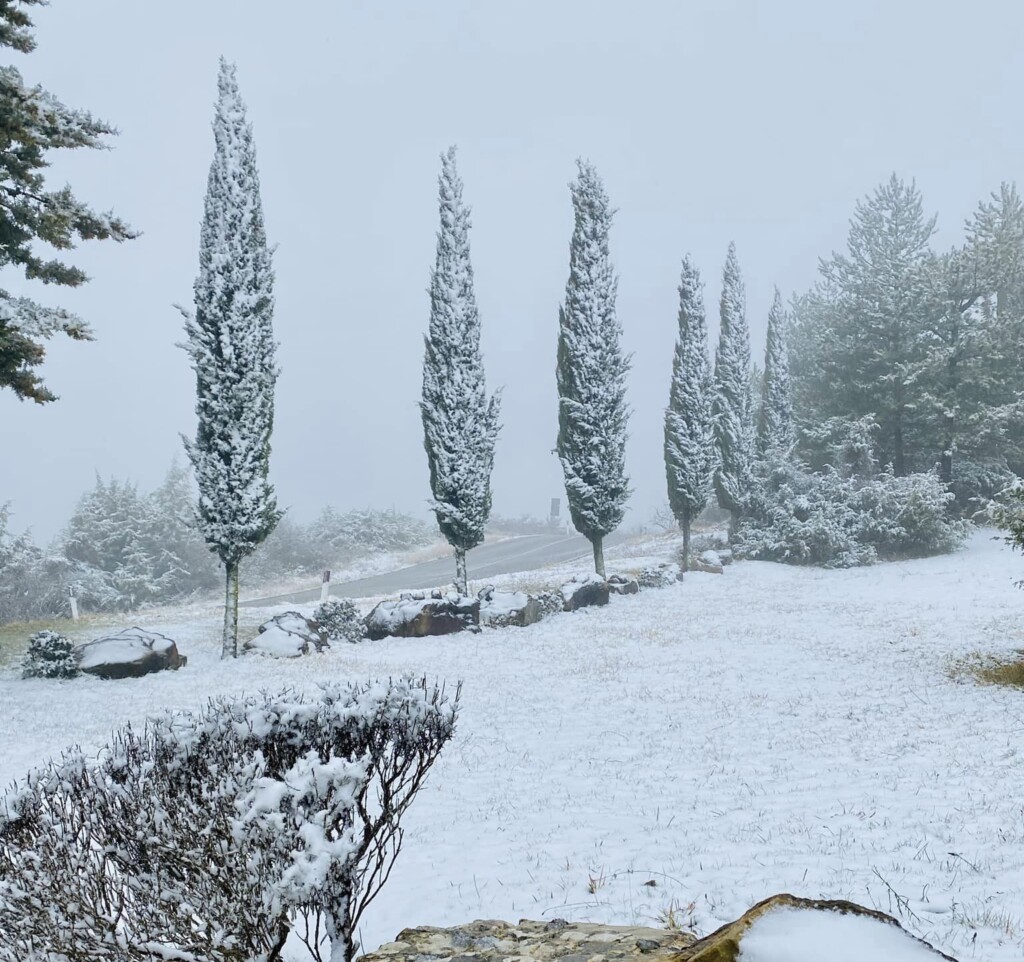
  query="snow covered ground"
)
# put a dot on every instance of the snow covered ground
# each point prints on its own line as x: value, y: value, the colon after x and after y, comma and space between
x: 770, y: 729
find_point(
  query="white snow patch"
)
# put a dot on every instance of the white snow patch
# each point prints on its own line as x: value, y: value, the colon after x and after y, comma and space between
x: 800, y: 935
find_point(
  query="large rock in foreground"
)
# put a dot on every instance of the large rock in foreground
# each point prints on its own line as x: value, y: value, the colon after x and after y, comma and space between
x: 786, y: 928
x: 783, y: 928
x: 131, y: 653
x: 416, y: 616
x: 493, y: 941
x: 288, y: 635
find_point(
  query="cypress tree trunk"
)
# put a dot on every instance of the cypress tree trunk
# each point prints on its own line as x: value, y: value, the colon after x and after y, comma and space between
x: 598, y: 543
x: 684, y: 523
x: 229, y: 644
x: 461, y: 577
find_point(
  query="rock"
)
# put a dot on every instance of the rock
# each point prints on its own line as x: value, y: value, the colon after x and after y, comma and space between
x: 724, y: 944
x: 500, y: 609
x: 660, y: 576
x: 288, y: 635
x: 619, y: 585
x: 725, y: 556
x: 550, y: 602
x: 417, y: 617
x: 710, y: 562
x: 131, y: 653
x: 561, y: 941
x: 584, y: 591
x: 494, y: 941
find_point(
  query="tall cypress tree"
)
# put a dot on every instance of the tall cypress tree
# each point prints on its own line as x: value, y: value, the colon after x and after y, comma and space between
x: 733, y: 405
x: 689, y: 432
x: 460, y: 423
x: 231, y: 345
x: 775, y: 421
x: 32, y: 123
x: 591, y: 373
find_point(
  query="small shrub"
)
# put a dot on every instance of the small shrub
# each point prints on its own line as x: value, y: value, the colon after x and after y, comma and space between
x: 49, y: 655
x: 839, y: 520
x: 340, y: 619
x: 216, y: 835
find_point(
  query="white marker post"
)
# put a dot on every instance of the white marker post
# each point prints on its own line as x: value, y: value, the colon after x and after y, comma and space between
x: 325, y: 587
x: 74, y: 602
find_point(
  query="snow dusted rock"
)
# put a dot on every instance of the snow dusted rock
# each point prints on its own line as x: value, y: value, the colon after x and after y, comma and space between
x: 131, y: 653
x: 660, y: 576
x: 288, y: 635
x: 550, y: 603
x: 500, y: 609
x: 785, y: 928
x: 416, y: 617
x: 710, y: 562
x: 584, y: 591
x: 494, y: 941
x: 620, y: 585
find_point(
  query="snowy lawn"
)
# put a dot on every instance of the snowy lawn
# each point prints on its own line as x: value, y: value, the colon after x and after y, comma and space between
x: 771, y: 729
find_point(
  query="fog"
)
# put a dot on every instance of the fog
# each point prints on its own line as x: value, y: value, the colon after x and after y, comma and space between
x: 759, y: 122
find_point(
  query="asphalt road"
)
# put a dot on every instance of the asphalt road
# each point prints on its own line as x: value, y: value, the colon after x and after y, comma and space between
x: 502, y: 557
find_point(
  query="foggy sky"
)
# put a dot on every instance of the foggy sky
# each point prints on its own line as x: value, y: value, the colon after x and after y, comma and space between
x: 759, y: 122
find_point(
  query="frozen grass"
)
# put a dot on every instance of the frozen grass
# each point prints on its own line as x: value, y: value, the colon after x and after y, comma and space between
x: 770, y: 729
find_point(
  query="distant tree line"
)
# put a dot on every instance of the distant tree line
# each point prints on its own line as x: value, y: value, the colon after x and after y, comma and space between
x: 123, y: 549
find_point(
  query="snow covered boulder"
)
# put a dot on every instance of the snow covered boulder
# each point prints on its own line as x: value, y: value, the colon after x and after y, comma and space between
x: 288, y: 635
x: 550, y: 603
x: 584, y: 591
x: 709, y: 562
x: 417, y: 617
x: 500, y: 609
x: 621, y: 585
x: 660, y: 576
x: 131, y: 653
x: 785, y: 928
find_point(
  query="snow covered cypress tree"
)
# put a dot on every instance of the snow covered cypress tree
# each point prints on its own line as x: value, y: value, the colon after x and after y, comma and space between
x: 775, y: 424
x: 733, y: 400
x: 591, y: 373
x: 231, y: 345
x: 689, y: 433
x: 460, y: 423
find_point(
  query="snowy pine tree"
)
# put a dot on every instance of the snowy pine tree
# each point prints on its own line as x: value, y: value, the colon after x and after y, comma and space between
x: 460, y: 423
x: 33, y: 123
x: 775, y: 419
x: 231, y: 346
x: 591, y: 373
x: 732, y: 408
x: 689, y: 433
x: 182, y: 562
x: 863, y: 347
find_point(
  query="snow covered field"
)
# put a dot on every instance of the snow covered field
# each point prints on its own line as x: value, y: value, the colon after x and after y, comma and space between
x: 773, y: 729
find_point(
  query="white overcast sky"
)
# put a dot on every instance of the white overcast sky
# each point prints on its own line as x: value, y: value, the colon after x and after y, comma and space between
x: 759, y: 121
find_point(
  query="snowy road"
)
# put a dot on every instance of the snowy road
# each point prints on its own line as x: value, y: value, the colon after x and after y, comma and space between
x: 525, y: 553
